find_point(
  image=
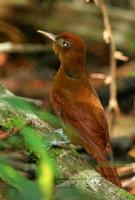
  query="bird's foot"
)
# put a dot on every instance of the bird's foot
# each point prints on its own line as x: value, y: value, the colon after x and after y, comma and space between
x: 60, y: 144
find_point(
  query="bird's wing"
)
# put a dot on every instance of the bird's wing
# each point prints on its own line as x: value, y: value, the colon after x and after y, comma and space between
x: 89, y: 121
x: 93, y: 134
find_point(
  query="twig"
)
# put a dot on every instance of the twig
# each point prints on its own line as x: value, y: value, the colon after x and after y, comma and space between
x: 5, y: 135
x: 13, y: 33
x: 113, y: 108
x: 108, y: 37
x: 107, y: 79
x: 8, y: 47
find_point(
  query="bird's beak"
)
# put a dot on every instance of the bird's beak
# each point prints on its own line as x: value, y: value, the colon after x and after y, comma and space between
x: 51, y: 36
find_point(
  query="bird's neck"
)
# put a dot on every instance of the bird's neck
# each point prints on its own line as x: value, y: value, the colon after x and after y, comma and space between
x: 71, y: 72
x: 74, y: 65
x: 69, y: 76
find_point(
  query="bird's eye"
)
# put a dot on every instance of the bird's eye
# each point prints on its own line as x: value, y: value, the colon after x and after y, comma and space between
x: 64, y: 43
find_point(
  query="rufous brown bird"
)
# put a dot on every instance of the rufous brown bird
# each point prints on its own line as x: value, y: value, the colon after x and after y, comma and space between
x: 76, y: 103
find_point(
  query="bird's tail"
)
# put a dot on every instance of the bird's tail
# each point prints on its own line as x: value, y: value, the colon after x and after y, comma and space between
x: 106, y: 166
x: 109, y: 171
x: 105, y: 162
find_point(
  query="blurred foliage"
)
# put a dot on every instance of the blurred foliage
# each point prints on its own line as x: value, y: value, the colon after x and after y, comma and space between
x: 42, y: 188
x: 46, y: 167
x: 28, y: 107
x: 20, y: 104
x: 28, y: 139
x: 131, y: 73
x: 49, y: 117
x: 22, y: 188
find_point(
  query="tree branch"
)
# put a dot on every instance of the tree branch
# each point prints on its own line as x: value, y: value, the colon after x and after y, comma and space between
x: 113, y: 108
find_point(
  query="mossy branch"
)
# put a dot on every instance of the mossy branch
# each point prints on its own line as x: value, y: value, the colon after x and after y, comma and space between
x: 74, y: 171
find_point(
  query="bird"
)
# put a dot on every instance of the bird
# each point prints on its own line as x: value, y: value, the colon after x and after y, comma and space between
x: 75, y: 101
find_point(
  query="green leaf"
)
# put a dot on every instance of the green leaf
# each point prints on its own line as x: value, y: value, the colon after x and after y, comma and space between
x: 50, y: 118
x: 20, y: 103
x: 46, y: 166
x: 25, y: 188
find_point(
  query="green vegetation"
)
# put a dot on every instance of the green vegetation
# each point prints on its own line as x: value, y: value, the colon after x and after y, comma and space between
x: 28, y: 139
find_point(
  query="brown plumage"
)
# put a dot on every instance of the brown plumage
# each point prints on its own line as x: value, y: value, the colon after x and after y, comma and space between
x: 75, y: 101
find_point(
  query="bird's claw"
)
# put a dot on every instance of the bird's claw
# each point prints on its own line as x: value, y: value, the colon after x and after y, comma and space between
x: 60, y: 144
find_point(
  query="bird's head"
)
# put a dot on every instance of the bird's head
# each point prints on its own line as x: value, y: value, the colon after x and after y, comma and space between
x: 67, y: 45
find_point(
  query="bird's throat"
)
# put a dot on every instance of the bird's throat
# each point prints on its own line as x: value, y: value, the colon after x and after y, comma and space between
x: 73, y: 66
